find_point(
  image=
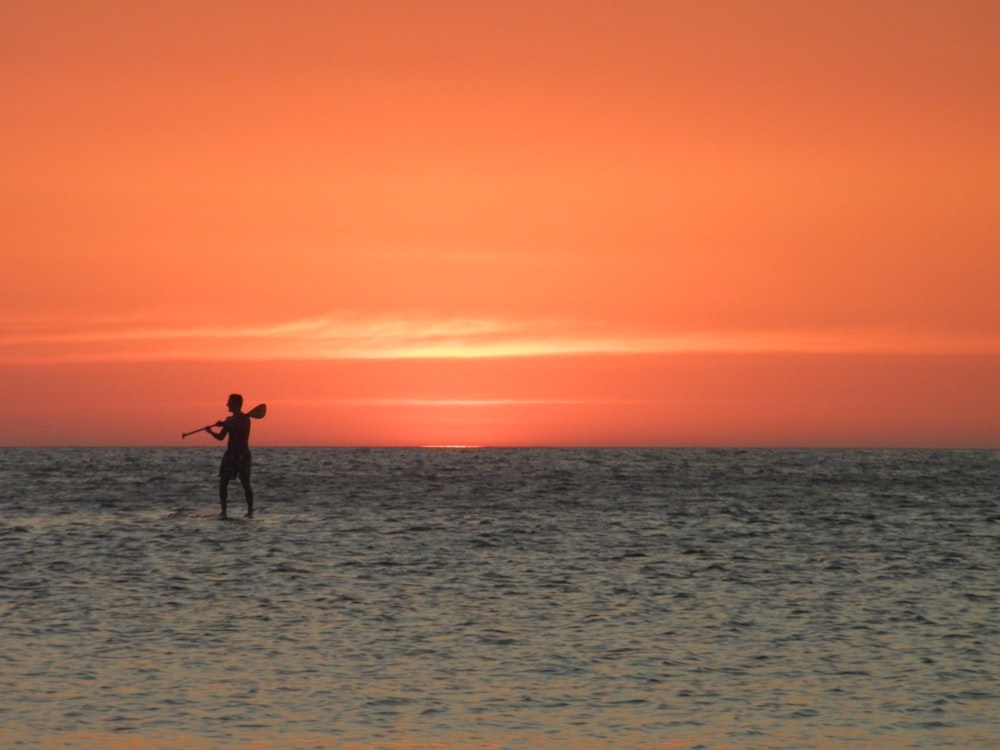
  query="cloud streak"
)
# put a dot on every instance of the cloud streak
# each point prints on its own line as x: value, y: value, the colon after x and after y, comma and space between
x: 347, y: 337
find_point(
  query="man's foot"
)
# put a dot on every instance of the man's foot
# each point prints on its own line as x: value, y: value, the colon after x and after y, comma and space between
x: 223, y: 515
x: 248, y: 515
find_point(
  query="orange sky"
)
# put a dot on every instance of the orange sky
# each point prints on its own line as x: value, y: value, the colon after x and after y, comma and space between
x: 502, y: 223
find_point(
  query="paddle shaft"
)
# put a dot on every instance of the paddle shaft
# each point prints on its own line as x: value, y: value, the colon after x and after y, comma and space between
x: 257, y: 412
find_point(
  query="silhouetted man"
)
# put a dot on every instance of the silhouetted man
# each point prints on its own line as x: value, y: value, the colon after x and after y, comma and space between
x: 236, y: 459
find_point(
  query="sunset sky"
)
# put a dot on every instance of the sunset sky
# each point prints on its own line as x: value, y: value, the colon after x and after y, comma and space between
x: 613, y: 222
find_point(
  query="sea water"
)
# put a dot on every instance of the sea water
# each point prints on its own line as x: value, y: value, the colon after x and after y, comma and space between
x: 583, y: 599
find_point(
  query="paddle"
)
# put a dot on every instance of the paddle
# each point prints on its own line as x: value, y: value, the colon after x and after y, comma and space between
x: 257, y: 412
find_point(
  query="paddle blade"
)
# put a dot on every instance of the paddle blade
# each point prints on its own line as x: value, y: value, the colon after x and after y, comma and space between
x: 258, y: 411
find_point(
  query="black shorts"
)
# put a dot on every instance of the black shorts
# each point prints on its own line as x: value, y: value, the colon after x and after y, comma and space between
x: 235, y: 464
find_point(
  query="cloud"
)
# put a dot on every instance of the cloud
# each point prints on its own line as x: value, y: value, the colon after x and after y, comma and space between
x: 346, y: 337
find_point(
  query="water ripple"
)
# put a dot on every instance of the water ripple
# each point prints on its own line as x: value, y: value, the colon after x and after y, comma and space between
x: 515, y: 599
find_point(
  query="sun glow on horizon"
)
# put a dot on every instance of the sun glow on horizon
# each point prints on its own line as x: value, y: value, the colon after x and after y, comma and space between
x: 456, y: 446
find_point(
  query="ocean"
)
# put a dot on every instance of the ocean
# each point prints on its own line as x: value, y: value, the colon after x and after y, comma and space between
x: 490, y: 598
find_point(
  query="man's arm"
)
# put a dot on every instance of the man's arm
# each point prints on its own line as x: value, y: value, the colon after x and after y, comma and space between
x: 221, y: 434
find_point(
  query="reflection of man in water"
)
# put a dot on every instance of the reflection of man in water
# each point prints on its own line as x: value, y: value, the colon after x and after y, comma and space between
x: 236, y: 460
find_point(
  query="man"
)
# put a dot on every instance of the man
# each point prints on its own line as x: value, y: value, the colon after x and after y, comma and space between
x: 236, y: 459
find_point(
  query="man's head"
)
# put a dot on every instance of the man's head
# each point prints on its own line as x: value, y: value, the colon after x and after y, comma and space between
x: 235, y: 403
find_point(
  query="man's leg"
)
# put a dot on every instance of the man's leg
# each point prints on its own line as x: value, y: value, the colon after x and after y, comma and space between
x: 223, y: 495
x: 248, y: 492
